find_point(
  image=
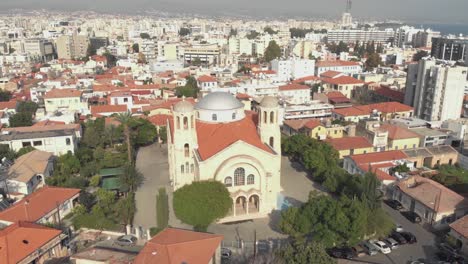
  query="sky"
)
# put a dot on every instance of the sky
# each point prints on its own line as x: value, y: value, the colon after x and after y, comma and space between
x: 417, y: 11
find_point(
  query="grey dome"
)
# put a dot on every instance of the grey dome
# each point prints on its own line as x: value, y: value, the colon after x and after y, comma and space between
x: 269, y: 101
x: 218, y: 101
x: 183, y: 107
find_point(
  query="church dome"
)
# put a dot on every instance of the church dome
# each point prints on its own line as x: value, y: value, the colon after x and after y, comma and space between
x: 183, y: 107
x: 269, y: 101
x: 219, y: 101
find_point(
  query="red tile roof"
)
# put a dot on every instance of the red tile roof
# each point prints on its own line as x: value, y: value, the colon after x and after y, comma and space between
x: 159, y: 120
x: 386, y: 107
x: 306, y: 79
x: 330, y: 74
x: 342, y: 80
x: 36, y: 205
x: 294, y: 86
x: 176, y: 246
x: 215, y: 137
x: 206, y: 78
x: 347, y: 143
x: 461, y: 226
x: 243, y: 96
x: 390, y: 93
x: 100, y: 109
x: 396, y: 132
x: 297, y: 124
x: 379, y: 156
x: 48, y: 122
x: 22, y: 239
x: 75, y: 127
x: 350, y: 111
x: 433, y: 194
x: 336, y: 63
x: 8, y: 105
x: 62, y: 93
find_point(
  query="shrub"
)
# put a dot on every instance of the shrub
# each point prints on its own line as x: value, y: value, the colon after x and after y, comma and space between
x: 162, y: 208
x: 95, y: 180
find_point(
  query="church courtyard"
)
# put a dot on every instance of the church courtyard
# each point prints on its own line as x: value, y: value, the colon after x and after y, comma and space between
x: 152, y: 163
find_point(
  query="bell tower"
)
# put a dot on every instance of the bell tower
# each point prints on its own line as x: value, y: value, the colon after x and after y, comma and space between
x: 268, y: 126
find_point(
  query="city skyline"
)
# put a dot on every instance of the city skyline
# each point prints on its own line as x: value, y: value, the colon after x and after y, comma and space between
x: 414, y: 11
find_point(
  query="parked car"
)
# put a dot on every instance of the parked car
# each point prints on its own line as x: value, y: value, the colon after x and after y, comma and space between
x: 226, y: 253
x: 126, y: 240
x: 370, y: 248
x: 391, y: 243
x: 399, y: 238
x: 344, y: 252
x: 410, y: 238
x: 449, y: 257
x: 399, y: 228
x: 412, y: 216
x: 394, y: 204
x: 381, y: 246
x: 359, y: 251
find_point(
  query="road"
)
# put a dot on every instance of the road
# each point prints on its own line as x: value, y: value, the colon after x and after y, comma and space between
x: 423, y: 250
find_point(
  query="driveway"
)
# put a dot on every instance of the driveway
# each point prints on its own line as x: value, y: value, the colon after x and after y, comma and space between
x: 424, y: 249
x: 152, y: 163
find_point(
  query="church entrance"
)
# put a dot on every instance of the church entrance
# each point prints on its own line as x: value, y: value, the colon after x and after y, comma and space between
x: 241, y: 205
x: 254, y: 204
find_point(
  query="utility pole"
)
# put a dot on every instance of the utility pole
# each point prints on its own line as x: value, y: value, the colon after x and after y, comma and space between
x: 255, y: 243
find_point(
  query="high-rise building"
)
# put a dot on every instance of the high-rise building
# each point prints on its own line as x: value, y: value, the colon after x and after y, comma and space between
x: 435, y: 90
x: 39, y: 47
x: 454, y: 49
x: 99, y: 42
x: 72, y: 47
x: 353, y: 35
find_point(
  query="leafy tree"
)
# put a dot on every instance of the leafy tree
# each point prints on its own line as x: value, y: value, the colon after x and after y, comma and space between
x: 87, y: 200
x: 252, y: 35
x: 273, y: 51
x: 244, y: 69
x: 299, y: 32
x: 419, y: 55
x: 189, y: 90
x: 136, y: 48
x: 126, y: 209
x: 125, y: 119
x: 269, y: 30
x: 163, y: 134
x: 131, y: 179
x: 21, y: 119
x: 299, y: 252
x: 112, y: 133
x: 373, y: 61
x: 201, y: 203
x: 196, y: 62
x: 27, y: 107
x: 145, y: 132
x: 25, y: 150
x: 144, y: 35
x: 233, y: 32
x: 95, y: 181
x: 6, y: 152
x: 184, y: 32
x: 111, y: 59
x: 5, y: 96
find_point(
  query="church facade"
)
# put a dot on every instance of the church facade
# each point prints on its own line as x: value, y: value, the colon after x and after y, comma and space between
x: 218, y: 140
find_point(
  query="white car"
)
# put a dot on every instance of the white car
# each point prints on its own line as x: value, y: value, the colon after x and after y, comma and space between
x: 399, y: 228
x: 391, y: 243
x: 382, y: 247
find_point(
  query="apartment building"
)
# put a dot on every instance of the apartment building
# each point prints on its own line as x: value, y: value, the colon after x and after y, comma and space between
x: 72, y: 47
x: 354, y: 35
x: 448, y: 48
x: 40, y: 47
x: 435, y: 90
x: 64, y: 99
x: 206, y: 53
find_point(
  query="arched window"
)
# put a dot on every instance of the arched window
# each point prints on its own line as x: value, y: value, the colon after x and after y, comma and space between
x: 178, y: 123
x: 272, y: 117
x: 198, y: 114
x: 228, y: 182
x: 239, y: 177
x: 192, y: 124
x: 251, y: 179
x: 214, y: 117
x: 233, y: 116
x: 185, y: 122
x: 182, y: 170
x: 264, y: 117
x: 187, y: 150
x: 272, y: 142
x: 186, y: 167
x: 192, y: 168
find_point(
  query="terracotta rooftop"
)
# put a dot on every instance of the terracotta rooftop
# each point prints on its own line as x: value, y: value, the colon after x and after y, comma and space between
x: 306, y: 79
x: 342, y: 80
x: 330, y: 74
x: 48, y: 122
x: 461, y: 226
x: 176, y: 246
x: 397, y: 132
x: 386, y: 107
x: 383, y: 156
x: 346, y: 143
x: 36, y: 205
x: 8, y: 105
x: 22, y: 239
x: 293, y: 86
x: 215, y: 137
x: 350, y: 111
x: 390, y: 93
x: 159, y: 120
x: 75, y: 127
x: 206, y: 78
x: 297, y: 124
x: 29, y: 165
x: 62, y: 93
x: 433, y: 194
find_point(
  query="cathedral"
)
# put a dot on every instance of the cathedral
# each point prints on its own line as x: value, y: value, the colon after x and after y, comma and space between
x: 216, y: 139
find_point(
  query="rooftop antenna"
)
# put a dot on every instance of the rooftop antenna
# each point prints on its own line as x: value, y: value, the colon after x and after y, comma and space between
x: 348, y: 6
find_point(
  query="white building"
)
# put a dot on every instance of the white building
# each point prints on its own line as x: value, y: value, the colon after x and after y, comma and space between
x: 246, y: 157
x: 346, y: 67
x: 435, y: 90
x: 293, y: 68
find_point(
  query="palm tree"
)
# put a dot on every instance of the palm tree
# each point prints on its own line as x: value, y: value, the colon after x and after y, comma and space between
x: 124, y: 119
x: 111, y: 134
x: 131, y: 178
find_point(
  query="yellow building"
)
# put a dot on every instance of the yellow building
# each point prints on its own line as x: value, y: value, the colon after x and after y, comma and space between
x: 218, y: 140
x: 400, y: 138
x: 351, y: 146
